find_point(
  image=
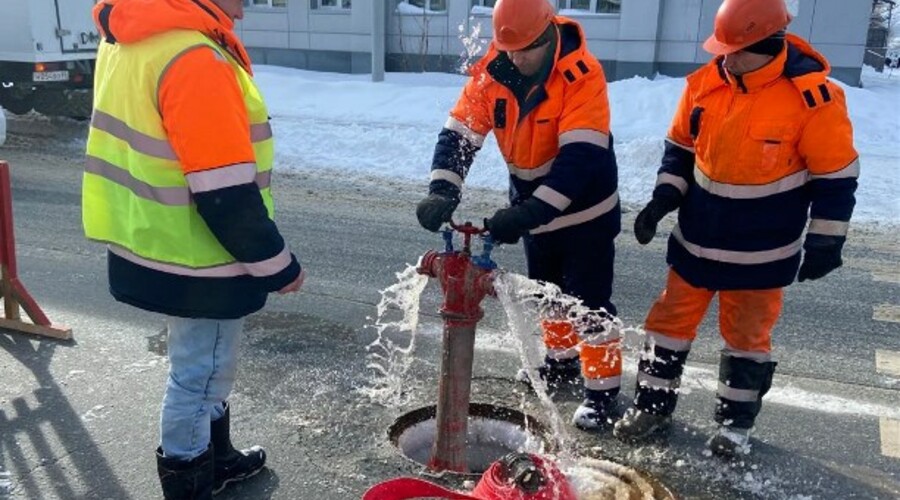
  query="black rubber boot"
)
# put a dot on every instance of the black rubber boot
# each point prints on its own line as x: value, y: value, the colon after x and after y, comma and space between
x: 599, y: 410
x: 186, y: 480
x: 232, y: 465
x: 560, y: 375
x: 658, y: 380
x: 637, y: 426
x: 742, y: 384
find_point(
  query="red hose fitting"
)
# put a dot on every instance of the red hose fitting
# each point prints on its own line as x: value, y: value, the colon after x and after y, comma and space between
x: 496, y: 483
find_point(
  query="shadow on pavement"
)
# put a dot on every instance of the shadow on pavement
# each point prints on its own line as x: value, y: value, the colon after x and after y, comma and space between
x: 262, y: 487
x: 40, y: 426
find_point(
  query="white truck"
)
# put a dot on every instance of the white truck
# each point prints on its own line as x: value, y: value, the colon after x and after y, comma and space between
x: 47, y: 53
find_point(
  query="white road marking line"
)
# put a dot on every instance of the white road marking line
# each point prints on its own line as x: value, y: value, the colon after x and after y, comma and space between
x: 886, y: 312
x: 886, y: 277
x: 887, y: 362
x: 784, y: 393
x: 890, y: 437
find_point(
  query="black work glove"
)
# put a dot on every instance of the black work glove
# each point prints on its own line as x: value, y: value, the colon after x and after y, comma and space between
x: 436, y: 209
x: 648, y: 218
x: 819, y: 261
x: 509, y: 224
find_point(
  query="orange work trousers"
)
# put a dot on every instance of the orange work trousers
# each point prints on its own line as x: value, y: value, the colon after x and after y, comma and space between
x: 746, y: 317
x: 601, y: 357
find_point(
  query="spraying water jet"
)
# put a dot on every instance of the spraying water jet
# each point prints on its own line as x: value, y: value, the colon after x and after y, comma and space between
x: 461, y: 438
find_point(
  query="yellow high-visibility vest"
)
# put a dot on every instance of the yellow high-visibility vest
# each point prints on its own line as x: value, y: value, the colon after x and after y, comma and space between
x: 135, y: 196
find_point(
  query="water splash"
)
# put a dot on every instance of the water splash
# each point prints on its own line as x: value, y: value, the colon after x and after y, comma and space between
x: 472, y: 44
x: 388, y: 357
x: 525, y: 302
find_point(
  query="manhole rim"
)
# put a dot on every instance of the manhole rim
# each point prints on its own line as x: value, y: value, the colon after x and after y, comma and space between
x: 526, y: 422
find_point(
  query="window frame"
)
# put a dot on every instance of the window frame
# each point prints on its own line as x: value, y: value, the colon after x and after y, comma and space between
x: 251, y: 4
x: 592, y: 10
x: 428, y: 10
x: 316, y: 5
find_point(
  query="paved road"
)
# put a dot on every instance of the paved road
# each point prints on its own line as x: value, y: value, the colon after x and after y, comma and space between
x: 78, y: 419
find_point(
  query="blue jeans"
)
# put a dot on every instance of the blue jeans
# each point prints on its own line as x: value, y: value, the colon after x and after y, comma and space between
x: 203, y: 355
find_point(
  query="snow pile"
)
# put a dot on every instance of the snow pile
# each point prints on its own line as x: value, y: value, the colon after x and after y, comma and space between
x: 352, y: 126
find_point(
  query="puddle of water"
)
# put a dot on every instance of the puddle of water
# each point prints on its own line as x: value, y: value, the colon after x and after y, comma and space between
x: 158, y: 344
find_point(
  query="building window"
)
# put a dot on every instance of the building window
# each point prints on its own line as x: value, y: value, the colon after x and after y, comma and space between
x: 483, y: 3
x: 430, y: 6
x: 331, y: 4
x: 595, y: 6
x: 265, y: 3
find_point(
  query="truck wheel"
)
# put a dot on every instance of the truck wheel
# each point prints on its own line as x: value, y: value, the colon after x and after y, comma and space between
x: 64, y: 102
x: 17, y: 103
x: 50, y: 102
x: 80, y: 103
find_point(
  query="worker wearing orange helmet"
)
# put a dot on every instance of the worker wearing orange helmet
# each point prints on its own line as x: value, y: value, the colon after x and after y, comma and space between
x: 544, y: 96
x: 760, y: 149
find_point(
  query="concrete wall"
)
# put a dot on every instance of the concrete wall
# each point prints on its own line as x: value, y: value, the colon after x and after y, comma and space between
x: 647, y: 37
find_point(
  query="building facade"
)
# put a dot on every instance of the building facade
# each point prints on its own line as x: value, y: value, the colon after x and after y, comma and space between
x: 630, y: 37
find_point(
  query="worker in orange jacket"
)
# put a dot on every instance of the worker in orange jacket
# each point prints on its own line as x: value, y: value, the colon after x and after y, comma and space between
x: 544, y: 96
x: 760, y: 145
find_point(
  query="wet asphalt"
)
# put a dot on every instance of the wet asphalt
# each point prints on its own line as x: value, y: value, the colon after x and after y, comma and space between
x: 78, y: 419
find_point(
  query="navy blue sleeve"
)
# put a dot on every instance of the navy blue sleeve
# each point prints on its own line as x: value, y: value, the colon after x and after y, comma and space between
x: 832, y: 206
x: 832, y: 199
x: 238, y: 218
x: 676, y: 173
x: 580, y: 167
x: 453, y: 156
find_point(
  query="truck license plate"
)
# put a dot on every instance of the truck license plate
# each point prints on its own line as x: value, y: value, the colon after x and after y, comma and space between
x: 50, y: 76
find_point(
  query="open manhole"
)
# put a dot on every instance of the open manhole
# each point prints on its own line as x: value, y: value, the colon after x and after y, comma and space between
x: 493, y: 431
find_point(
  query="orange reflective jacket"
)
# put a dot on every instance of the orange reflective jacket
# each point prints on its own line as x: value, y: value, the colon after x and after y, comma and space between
x: 553, y: 133
x: 752, y: 155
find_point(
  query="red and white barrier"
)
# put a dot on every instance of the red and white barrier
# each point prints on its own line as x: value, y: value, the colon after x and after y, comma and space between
x: 12, y: 290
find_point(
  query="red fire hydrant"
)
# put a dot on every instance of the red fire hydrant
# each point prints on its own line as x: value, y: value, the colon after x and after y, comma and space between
x: 465, y: 281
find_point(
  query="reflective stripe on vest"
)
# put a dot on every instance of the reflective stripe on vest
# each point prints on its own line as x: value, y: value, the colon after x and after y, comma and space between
x: 136, y: 195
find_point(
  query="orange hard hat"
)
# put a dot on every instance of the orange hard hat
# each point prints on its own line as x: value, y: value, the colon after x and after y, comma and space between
x: 517, y: 23
x: 741, y: 23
